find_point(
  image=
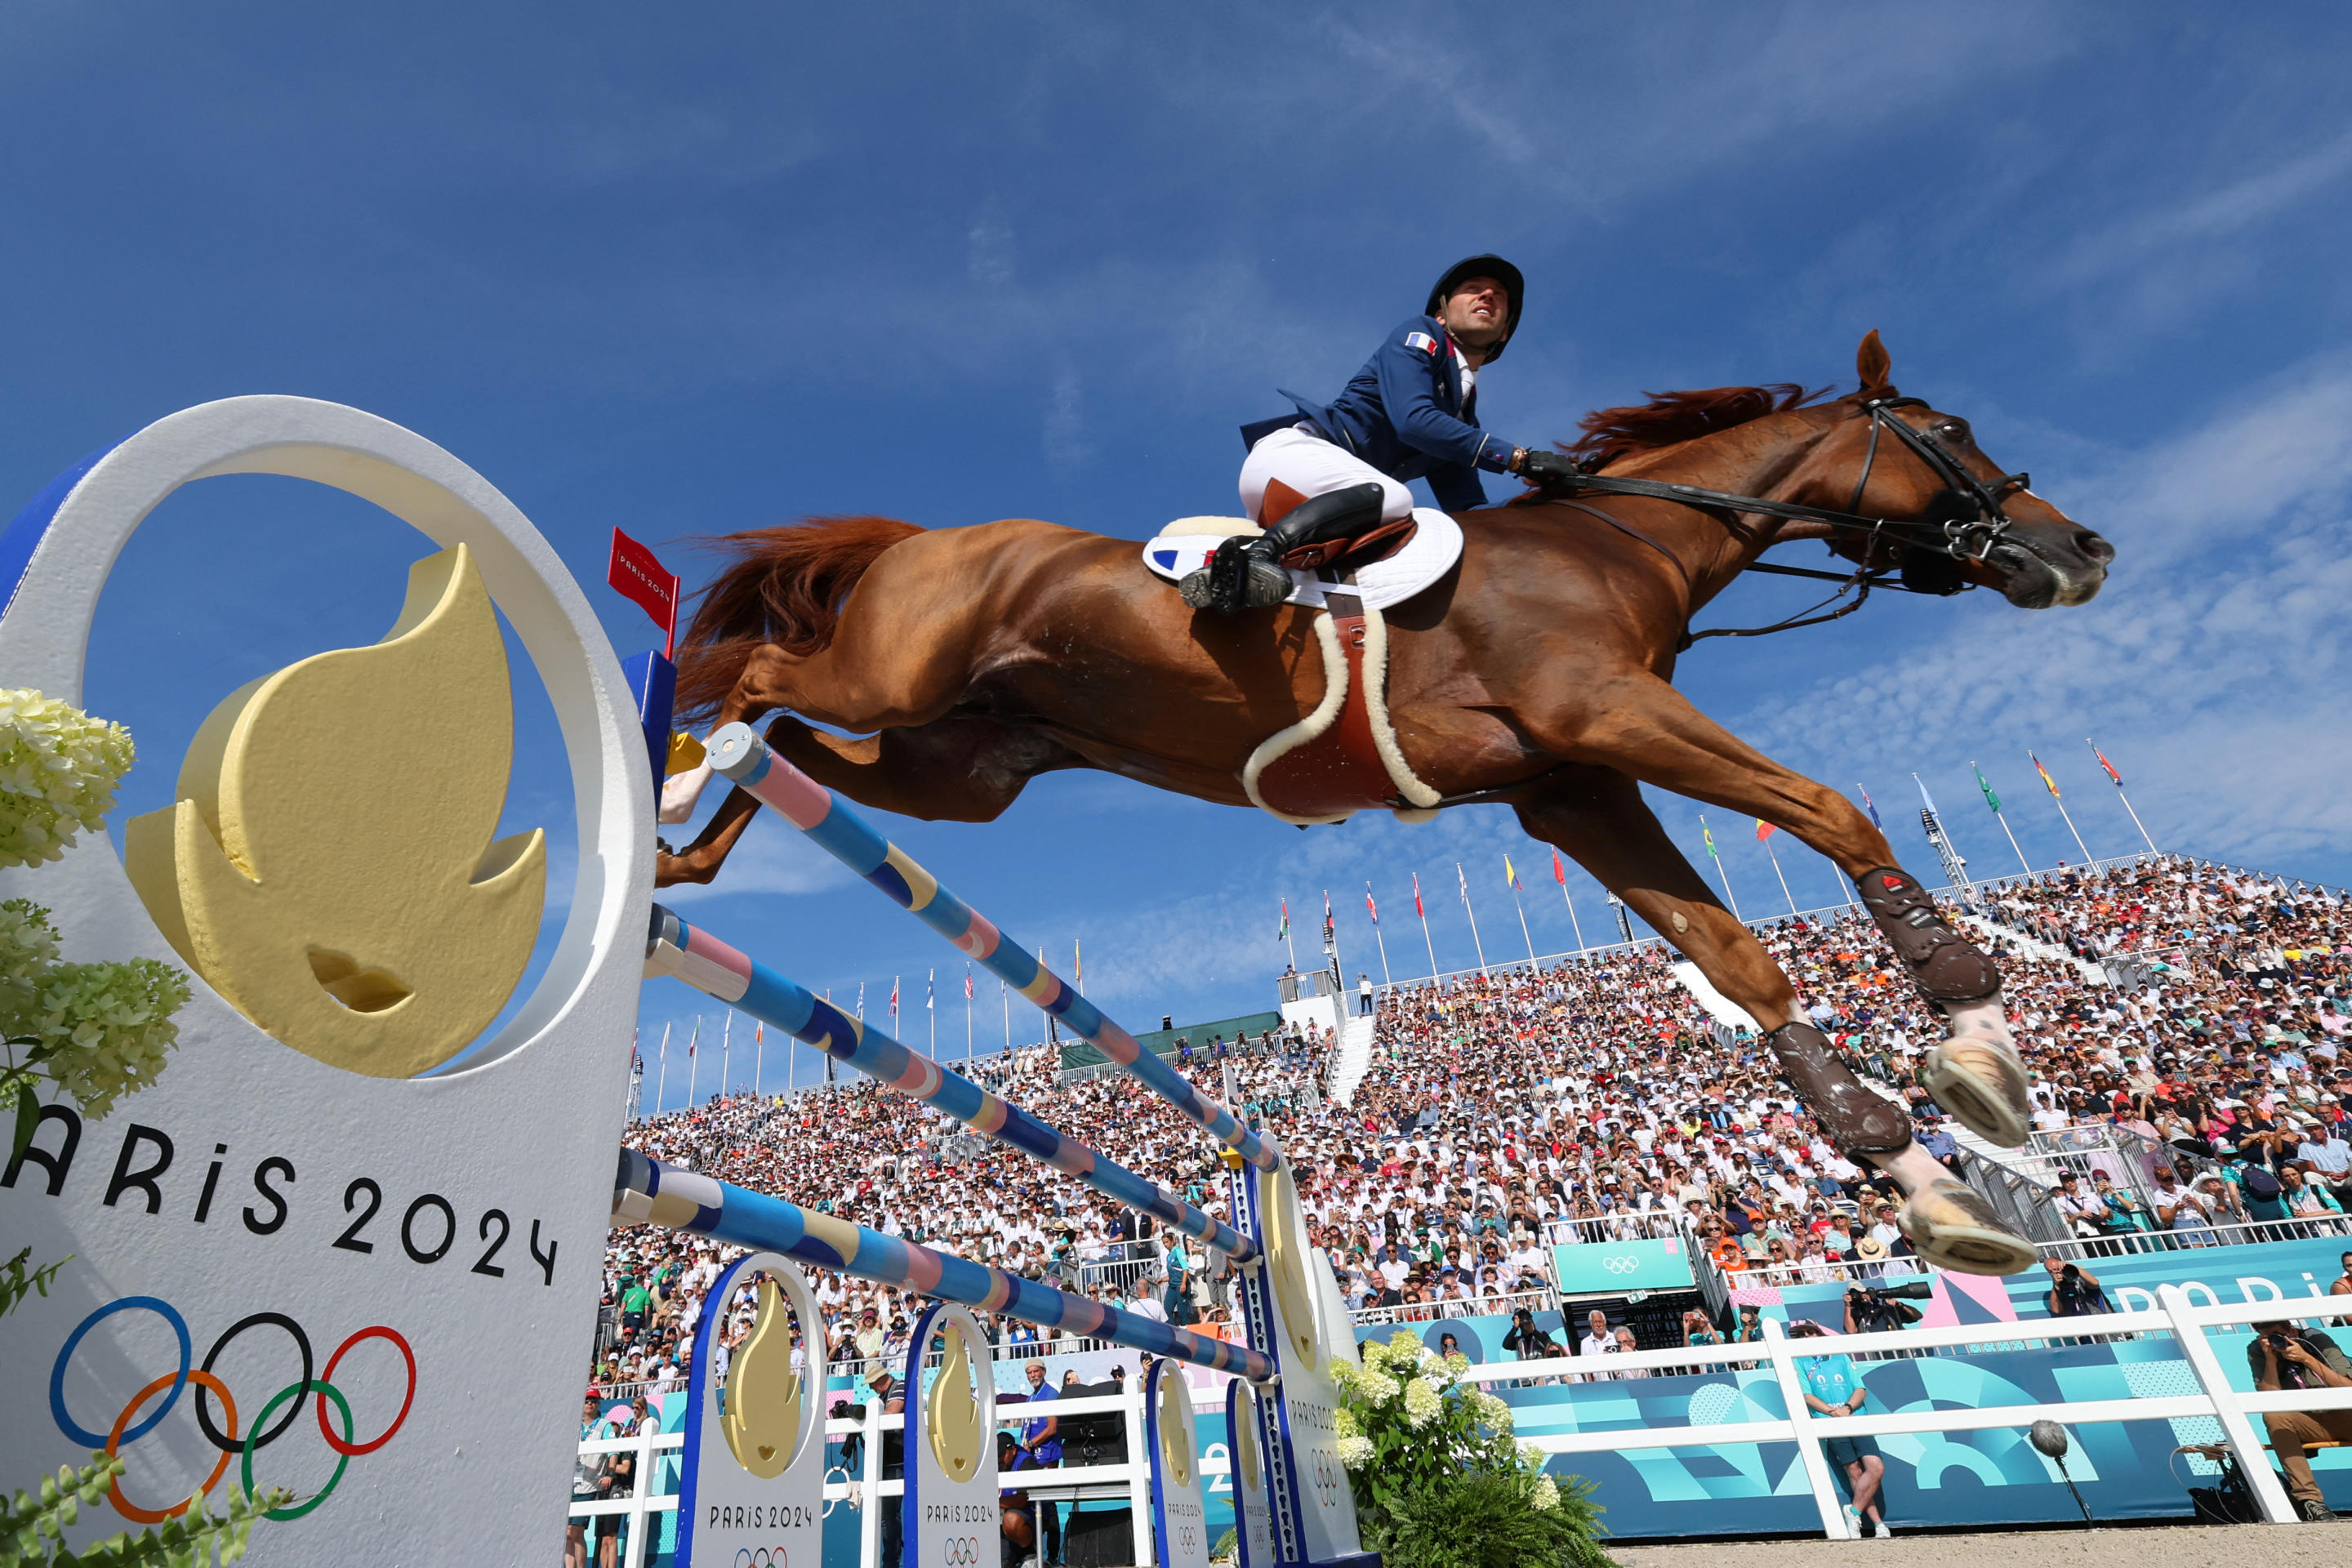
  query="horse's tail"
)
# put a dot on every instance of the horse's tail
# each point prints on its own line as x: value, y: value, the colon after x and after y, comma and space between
x: 784, y: 586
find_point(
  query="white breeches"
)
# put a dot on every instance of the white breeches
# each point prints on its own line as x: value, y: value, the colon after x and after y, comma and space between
x: 1314, y: 466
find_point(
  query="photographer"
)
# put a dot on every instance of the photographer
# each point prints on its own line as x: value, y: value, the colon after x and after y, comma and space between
x: 2282, y: 1356
x: 2074, y: 1290
x: 1884, y: 1309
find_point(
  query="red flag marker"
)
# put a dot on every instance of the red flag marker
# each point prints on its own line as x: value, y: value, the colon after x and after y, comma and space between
x: 641, y: 578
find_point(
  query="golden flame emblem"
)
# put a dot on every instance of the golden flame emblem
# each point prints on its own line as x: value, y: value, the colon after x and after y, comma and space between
x: 328, y: 868
x: 762, y: 1422
x: 1178, y: 1448
x: 955, y: 1410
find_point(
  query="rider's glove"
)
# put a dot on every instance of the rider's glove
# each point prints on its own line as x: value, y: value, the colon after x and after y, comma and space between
x: 1548, y: 467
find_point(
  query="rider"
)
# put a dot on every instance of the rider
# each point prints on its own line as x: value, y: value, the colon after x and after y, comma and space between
x: 1411, y: 413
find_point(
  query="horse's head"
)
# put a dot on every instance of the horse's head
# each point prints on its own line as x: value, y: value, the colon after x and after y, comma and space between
x: 1954, y: 515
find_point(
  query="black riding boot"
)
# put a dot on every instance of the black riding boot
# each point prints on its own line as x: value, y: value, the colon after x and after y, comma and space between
x: 1247, y: 573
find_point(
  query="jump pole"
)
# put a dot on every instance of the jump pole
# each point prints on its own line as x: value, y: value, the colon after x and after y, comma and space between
x: 691, y: 954
x: 647, y: 1192
x: 739, y: 754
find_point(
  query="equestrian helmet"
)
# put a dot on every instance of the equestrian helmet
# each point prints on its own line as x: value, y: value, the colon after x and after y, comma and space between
x: 1515, y: 287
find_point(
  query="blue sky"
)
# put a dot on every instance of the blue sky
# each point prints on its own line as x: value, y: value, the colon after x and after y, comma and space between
x: 684, y: 276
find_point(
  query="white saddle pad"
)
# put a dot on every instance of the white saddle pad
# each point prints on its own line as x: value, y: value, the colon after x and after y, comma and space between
x: 1184, y: 545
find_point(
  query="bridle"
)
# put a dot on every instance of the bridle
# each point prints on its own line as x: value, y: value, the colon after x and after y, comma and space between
x: 1962, y: 522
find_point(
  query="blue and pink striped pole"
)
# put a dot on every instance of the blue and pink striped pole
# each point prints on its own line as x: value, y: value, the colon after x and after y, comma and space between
x: 647, y: 1192
x: 746, y: 760
x: 688, y: 953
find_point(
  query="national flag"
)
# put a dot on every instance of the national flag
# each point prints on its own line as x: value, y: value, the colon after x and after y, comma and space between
x: 1421, y: 341
x: 1763, y: 830
x: 1416, y: 897
x: 2047, y: 782
x: 930, y: 992
x: 1924, y: 798
x: 2108, y: 765
x: 894, y: 999
x: 1370, y: 908
x: 644, y: 581
x: 1510, y: 875
x: 1703, y: 833
x: 694, y: 1036
x: 1464, y: 881
x: 1284, y: 934
x: 967, y: 984
x: 1077, y: 964
x: 861, y: 1001
x: 1559, y: 871
x: 1328, y: 927
x: 760, y: 1033
x: 1991, y: 799
x: 1868, y: 806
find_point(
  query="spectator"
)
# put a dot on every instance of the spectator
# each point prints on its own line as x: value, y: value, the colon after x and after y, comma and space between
x: 1039, y: 1447
x: 2074, y: 1291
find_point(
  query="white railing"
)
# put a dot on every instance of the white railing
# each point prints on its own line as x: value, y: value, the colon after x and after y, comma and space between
x: 1543, y: 1301
x: 2215, y: 1399
x: 1628, y: 1225
x: 1128, y: 1480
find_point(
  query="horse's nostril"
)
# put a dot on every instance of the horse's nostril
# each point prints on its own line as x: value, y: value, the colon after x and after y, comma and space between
x: 2094, y: 547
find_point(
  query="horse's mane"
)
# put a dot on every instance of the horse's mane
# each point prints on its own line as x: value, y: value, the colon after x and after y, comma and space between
x: 1612, y: 434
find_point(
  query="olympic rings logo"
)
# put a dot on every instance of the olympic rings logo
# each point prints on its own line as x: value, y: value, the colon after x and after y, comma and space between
x: 761, y: 1557
x: 130, y: 1425
x: 1621, y: 1264
x: 961, y: 1551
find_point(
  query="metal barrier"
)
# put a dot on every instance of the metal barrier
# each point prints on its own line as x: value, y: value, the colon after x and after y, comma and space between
x: 1127, y: 1480
x: 1543, y: 1301
x: 2175, y: 1317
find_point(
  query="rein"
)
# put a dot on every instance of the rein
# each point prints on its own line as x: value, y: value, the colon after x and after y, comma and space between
x: 1963, y: 522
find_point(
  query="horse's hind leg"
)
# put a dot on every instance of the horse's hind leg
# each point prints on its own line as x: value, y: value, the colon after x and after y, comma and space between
x: 1597, y: 815
x: 1647, y: 728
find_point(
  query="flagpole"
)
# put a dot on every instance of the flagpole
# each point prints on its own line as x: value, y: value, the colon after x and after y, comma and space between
x: 1377, y: 937
x: 2059, y: 801
x: 693, y: 1067
x: 966, y: 1009
x: 759, y: 1056
x: 1783, y: 876
x: 1423, y: 913
x: 1723, y: 875
x: 661, y: 1080
x: 2121, y: 796
x: 1559, y: 875
x: 726, y: 1044
x: 1286, y: 939
x: 1523, y: 927
x: 1479, y: 947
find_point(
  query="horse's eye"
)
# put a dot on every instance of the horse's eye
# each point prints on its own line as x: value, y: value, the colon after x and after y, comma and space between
x: 1954, y: 430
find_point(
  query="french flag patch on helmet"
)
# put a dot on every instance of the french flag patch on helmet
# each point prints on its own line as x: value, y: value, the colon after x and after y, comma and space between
x: 1421, y: 341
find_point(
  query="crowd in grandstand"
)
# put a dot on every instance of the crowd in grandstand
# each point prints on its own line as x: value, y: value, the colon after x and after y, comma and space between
x: 1508, y: 1112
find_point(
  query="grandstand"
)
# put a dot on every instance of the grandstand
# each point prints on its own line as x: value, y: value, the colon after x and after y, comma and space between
x: 1488, y: 1142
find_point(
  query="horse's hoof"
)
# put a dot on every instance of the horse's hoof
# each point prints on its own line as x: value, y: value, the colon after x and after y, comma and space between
x: 1982, y: 1084
x: 1951, y: 1226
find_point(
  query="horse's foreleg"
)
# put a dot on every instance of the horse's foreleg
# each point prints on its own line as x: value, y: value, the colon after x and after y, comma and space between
x: 1646, y: 727
x: 1597, y: 815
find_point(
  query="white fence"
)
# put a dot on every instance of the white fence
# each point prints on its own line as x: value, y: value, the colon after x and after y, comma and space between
x: 2175, y: 1316
x: 1127, y: 1481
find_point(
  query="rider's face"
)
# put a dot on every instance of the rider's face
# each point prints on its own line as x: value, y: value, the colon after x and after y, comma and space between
x: 1476, y: 312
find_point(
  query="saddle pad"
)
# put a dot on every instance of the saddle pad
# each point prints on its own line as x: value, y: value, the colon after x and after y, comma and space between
x: 1435, y: 546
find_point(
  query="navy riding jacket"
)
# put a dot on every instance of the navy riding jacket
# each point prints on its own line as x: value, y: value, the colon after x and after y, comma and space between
x: 1404, y: 414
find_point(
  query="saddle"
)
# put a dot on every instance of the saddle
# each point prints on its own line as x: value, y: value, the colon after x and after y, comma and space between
x: 1341, y: 757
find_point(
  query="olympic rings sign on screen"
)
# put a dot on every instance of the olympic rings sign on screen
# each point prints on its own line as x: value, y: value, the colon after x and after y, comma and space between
x: 761, y: 1557
x: 130, y: 1425
x: 961, y: 1551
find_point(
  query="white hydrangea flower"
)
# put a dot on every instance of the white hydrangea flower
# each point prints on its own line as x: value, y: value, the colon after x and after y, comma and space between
x: 1343, y: 1422
x: 1421, y: 1405
x: 1493, y: 1411
x: 1355, y: 1452
x: 1547, y: 1493
x: 58, y: 768
x: 1377, y: 1387
x: 116, y: 1021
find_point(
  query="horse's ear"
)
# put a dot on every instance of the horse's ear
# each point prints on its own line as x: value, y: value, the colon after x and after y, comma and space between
x: 1872, y: 362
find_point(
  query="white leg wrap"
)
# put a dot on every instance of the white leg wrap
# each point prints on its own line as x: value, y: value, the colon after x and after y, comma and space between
x: 1986, y: 1022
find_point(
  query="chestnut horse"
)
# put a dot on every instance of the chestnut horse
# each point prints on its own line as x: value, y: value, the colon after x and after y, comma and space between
x: 1537, y: 673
